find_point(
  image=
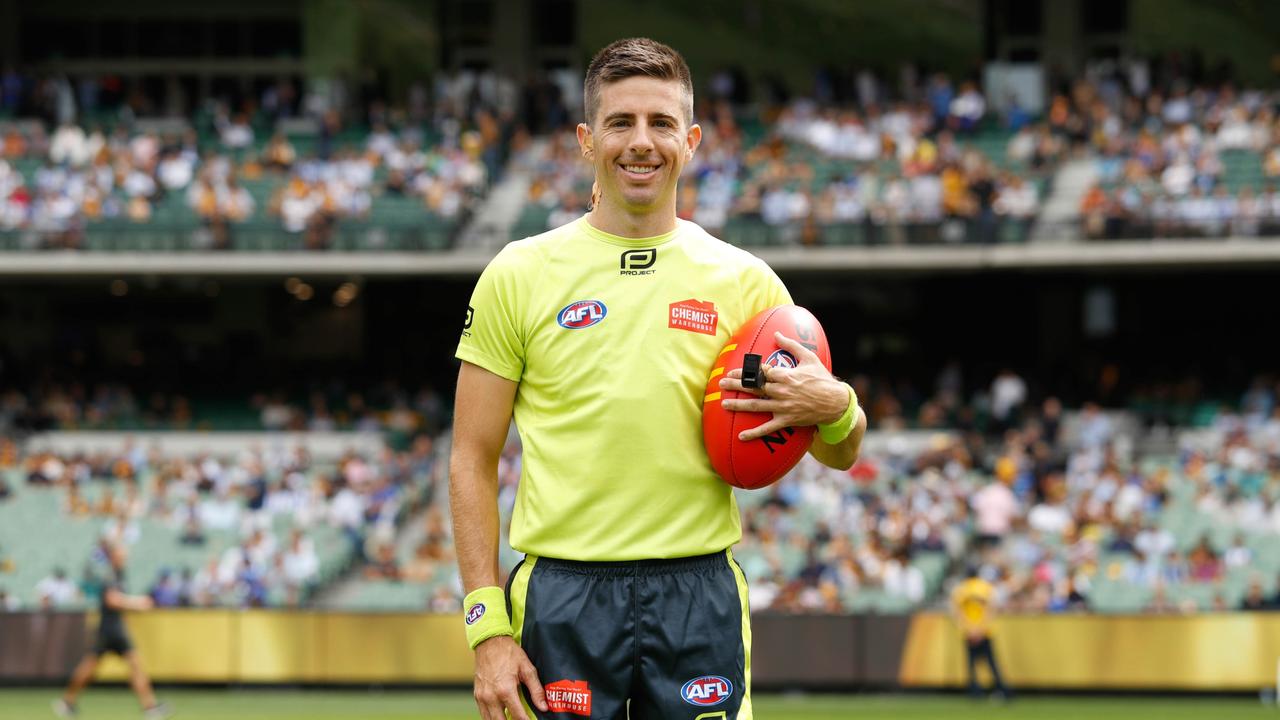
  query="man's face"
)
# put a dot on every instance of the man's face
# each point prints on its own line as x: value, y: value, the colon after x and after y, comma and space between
x: 639, y: 142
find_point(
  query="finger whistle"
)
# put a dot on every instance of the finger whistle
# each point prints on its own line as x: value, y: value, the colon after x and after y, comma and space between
x: 752, y: 377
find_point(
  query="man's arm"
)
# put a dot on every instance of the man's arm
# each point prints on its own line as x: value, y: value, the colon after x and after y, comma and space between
x: 482, y: 415
x: 117, y: 600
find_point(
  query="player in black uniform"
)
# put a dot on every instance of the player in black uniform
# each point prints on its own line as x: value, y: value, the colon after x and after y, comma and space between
x: 112, y: 637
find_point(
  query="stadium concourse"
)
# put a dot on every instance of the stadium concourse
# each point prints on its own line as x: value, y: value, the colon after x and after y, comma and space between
x: 1162, y: 507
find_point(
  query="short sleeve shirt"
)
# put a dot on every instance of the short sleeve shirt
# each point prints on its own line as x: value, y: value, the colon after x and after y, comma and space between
x: 612, y: 341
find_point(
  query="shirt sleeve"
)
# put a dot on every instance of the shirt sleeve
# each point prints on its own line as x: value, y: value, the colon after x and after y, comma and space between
x: 763, y: 288
x: 492, y: 334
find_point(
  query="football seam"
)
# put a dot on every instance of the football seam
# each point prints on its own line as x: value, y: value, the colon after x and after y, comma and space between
x: 733, y: 432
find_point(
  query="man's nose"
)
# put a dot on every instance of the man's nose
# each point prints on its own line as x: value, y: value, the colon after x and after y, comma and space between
x: 641, y: 140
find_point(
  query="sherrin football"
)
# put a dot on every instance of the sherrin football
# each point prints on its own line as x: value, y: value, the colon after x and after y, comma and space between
x: 760, y: 462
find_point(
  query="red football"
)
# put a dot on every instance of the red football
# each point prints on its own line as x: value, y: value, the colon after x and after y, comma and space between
x: 759, y: 462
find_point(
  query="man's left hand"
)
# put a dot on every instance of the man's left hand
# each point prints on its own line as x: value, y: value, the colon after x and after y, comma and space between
x: 804, y: 395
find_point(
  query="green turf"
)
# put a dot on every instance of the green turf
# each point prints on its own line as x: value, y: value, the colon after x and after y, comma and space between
x: 116, y: 704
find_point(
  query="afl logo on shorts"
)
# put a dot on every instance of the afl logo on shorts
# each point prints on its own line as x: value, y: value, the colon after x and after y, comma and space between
x: 781, y: 359
x: 582, y: 314
x: 475, y: 613
x: 707, y: 690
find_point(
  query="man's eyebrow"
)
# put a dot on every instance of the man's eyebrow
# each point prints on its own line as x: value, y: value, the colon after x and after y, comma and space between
x: 630, y: 115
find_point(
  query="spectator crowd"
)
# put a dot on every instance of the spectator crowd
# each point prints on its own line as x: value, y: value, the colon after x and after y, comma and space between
x: 905, y: 171
x: 263, y: 528
x: 1179, y: 161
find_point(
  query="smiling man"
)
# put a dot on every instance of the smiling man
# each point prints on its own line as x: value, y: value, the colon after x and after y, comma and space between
x: 597, y: 337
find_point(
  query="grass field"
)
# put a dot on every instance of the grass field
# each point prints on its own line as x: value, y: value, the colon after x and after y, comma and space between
x: 117, y: 704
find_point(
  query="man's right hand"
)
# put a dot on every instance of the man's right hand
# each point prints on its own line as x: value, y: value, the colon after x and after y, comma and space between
x: 501, y: 666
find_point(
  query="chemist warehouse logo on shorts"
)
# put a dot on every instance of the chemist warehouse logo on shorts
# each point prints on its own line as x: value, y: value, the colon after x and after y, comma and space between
x: 707, y: 690
x: 569, y: 696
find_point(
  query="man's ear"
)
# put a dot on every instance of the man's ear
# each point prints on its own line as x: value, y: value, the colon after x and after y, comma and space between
x: 692, y: 140
x: 585, y: 140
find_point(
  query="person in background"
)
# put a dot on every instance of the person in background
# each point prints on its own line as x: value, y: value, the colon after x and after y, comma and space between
x: 114, y: 638
x: 972, y: 606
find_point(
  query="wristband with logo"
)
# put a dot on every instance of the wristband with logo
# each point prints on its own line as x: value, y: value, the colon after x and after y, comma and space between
x: 486, y: 615
x: 836, y: 432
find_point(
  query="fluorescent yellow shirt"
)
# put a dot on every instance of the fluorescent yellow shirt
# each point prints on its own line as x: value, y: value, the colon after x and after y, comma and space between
x: 972, y: 600
x: 611, y: 340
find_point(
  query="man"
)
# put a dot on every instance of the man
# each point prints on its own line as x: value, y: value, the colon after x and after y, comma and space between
x: 971, y: 605
x: 627, y: 602
x: 112, y: 637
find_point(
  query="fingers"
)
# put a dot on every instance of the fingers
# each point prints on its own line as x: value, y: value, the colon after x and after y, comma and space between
x: 760, y: 431
x: 515, y: 708
x: 735, y: 384
x: 802, y: 353
x: 490, y: 707
x: 529, y: 677
x: 750, y: 405
x: 501, y: 704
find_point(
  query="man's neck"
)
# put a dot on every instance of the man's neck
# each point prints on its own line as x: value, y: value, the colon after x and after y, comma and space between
x: 624, y: 223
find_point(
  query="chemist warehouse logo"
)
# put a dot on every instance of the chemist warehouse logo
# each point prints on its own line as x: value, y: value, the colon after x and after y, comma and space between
x: 569, y: 696
x: 694, y: 316
x: 638, y: 262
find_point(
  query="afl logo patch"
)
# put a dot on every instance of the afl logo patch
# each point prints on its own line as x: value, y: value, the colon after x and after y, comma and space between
x: 475, y: 613
x: 781, y: 359
x: 707, y: 690
x: 581, y: 314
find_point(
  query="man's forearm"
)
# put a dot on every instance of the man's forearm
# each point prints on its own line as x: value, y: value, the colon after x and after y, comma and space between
x: 843, y: 454
x: 473, y: 498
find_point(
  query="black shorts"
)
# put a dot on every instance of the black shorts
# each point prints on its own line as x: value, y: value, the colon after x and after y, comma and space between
x: 112, y: 640
x: 672, y: 637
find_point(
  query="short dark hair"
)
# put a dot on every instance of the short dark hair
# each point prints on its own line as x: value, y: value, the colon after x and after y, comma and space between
x: 634, y: 57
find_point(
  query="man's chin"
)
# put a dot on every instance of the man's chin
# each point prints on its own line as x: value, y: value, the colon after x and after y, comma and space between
x: 640, y: 202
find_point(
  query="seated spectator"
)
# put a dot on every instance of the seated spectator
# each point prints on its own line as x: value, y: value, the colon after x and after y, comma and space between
x: 1204, y: 566
x: 56, y: 591
x: 221, y: 512
x: 106, y: 505
x: 1123, y: 541
x: 299, y: 565
x: 1238, y: 555
x: 192, y: 532
x: 279, y: 153
x: 236, y: 134
x: 384, y: 566
x: 250, y: 585
x: 166, y: 591
x: 1255, y: 599
x: 967, y: 109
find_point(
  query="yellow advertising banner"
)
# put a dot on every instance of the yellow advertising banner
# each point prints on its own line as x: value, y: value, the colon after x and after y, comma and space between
x: 265, y: 646
x: 1237, y: 651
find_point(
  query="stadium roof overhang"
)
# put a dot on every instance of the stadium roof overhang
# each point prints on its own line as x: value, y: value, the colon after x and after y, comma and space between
x: 1219, y: 254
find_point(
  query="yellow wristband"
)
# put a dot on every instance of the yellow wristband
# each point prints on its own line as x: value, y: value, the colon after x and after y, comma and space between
x: 837, y: 431
x: 486, y: 615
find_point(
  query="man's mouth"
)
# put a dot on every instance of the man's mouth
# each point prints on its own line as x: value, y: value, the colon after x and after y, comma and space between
x: 640, y: 170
